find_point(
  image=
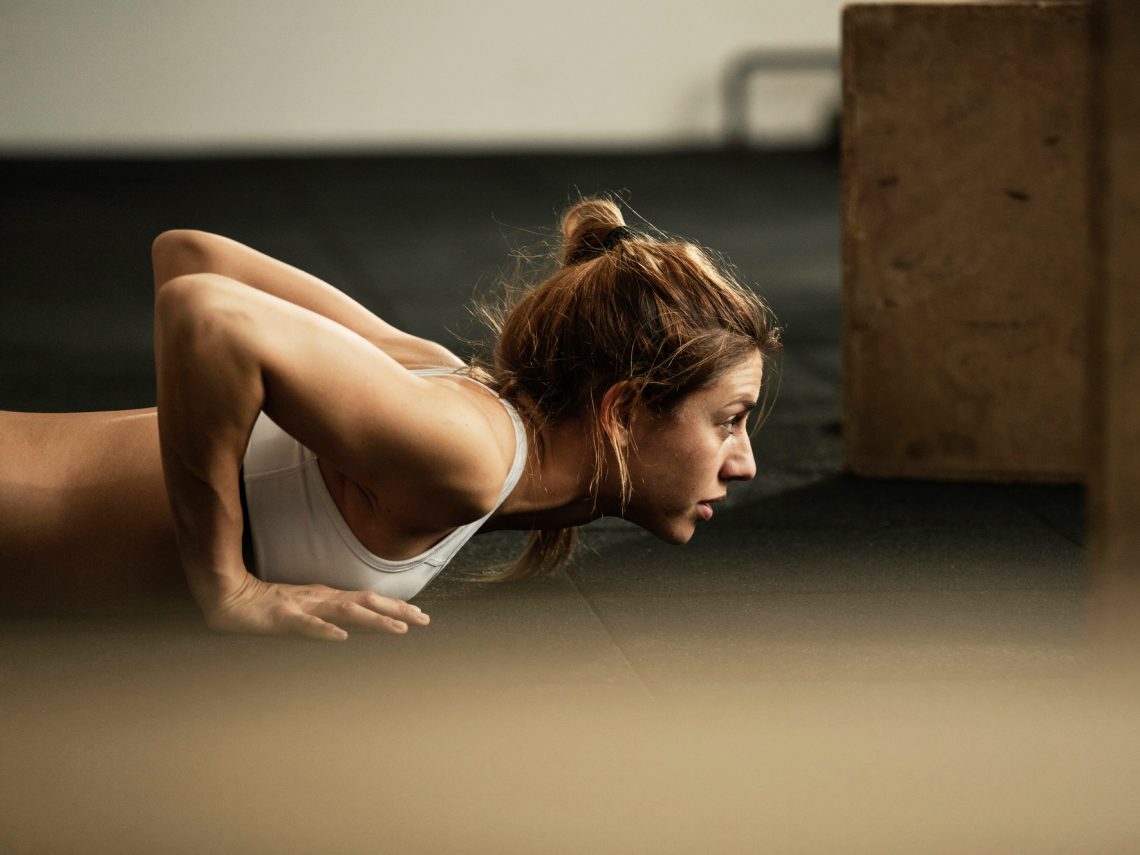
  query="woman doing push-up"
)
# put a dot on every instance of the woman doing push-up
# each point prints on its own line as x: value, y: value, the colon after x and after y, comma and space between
x: 309, y: 468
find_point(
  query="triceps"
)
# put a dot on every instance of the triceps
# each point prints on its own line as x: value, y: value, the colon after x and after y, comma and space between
x: 179, y: 252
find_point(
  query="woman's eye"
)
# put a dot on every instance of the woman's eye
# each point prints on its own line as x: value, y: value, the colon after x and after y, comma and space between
x: 734, y: 422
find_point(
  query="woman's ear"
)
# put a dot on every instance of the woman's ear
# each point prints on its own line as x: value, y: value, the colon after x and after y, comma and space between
x: 616, y: 413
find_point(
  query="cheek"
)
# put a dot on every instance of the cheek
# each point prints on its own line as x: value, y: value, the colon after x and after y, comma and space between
x: 678, y: 456
x: 685, y: 468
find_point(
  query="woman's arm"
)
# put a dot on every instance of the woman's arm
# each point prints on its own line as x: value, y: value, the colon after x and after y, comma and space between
x: 224, y: 351
x: 179, y: 252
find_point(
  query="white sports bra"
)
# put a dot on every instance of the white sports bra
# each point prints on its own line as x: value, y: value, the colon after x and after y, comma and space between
x: 300, y: 537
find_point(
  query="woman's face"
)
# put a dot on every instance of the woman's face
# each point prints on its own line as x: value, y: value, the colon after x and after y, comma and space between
x: 682, y: 461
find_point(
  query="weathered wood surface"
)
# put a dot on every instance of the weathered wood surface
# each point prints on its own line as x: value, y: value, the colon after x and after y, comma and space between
x: 966, y: 249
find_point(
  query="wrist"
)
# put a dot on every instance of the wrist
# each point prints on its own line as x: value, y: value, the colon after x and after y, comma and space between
x: 213, y: 588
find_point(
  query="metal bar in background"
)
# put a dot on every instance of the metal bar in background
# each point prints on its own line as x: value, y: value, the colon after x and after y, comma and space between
x: 780, y: 61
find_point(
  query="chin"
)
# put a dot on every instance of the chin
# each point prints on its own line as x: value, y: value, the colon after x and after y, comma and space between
x: 676, y: 530
x: 677, y: 535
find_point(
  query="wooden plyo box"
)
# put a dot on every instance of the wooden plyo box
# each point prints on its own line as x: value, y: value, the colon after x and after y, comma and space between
x: 966, y: 254
x: 1113, y: 495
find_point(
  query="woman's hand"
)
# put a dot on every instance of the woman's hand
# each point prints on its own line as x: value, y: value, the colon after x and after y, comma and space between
x: 316, y: 611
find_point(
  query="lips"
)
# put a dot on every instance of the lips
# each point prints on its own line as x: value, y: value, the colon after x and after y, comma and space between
x: 705, y: 507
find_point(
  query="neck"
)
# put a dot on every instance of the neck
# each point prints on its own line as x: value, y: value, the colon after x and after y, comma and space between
x: 554, y: 490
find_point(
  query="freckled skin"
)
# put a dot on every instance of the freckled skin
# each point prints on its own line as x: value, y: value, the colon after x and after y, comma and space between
x: 692, y: 454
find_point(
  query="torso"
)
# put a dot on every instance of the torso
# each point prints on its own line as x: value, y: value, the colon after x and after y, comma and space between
x: 83, y: 506
x: 92, y: 517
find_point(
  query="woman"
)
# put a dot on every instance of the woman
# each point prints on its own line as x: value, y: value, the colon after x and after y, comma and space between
x: 309, y: 467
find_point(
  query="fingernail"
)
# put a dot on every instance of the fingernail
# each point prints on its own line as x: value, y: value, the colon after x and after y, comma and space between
x: 417, y: 608
x: 401, y: 626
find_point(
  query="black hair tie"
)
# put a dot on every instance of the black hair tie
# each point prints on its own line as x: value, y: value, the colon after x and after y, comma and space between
x: 614, y: 237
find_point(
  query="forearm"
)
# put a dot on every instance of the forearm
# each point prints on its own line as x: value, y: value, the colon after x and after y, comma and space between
x: 182, y: 251
x: 209, y: 394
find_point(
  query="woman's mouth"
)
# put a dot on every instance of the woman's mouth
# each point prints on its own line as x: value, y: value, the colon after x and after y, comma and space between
x: 705, y: 507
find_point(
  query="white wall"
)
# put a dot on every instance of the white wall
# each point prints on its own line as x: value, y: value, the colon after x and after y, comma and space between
x: 259, y: 74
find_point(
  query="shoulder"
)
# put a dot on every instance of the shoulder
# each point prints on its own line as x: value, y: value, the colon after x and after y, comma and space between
x: 458, y: 472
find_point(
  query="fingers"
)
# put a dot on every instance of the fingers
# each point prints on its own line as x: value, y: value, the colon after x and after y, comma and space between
x: 357, y: 616
x: 393, y: 608
x: 311, y: 626
x: 370, y: 611
x: 364, y: 610
x: 313, y: 611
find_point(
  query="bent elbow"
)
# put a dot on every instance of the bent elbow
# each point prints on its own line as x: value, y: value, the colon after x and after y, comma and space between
x: 201, y: 313
x: 177, y: 252
x: 180, y: 304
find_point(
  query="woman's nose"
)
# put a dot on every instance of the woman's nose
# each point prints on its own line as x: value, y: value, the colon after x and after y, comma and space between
x: 741, y: 464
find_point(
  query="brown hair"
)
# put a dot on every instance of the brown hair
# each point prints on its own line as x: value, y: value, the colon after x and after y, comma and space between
x: 656, y: 314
